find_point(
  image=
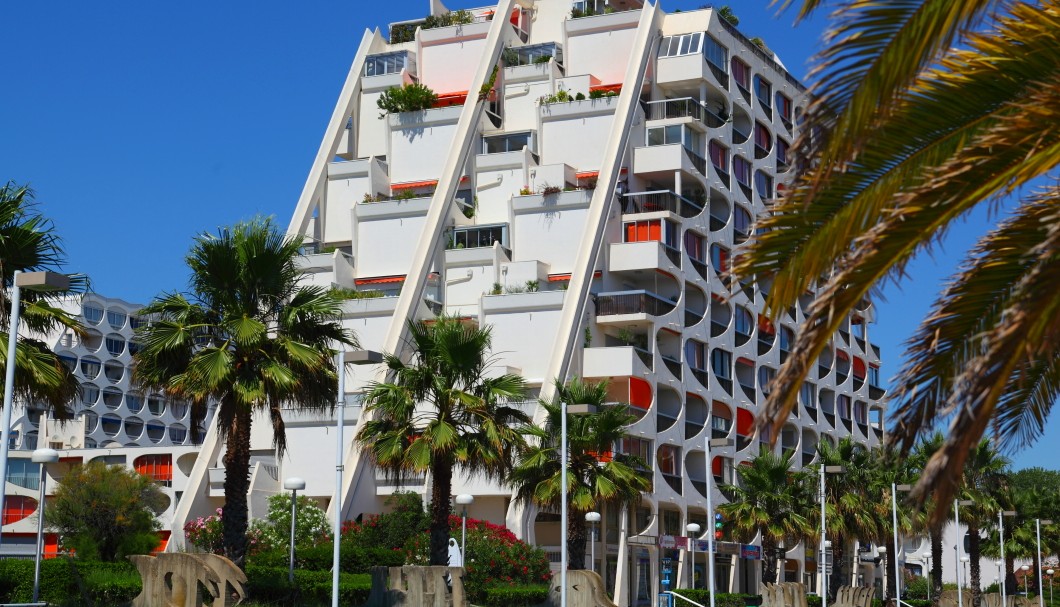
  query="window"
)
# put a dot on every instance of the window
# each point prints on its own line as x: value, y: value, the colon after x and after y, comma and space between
x: 111, y: 424
x: 134, y: 427
x: 720, y: 423
x: 764, y: 92
x: 23, y: 472
x: 744, y: 321
x: 696, y: 354
x: 715, y: 53
x: 134, y: 402
x: 860, y: 412
x: 741, y: 73
x: 89, y: 394
x: 765, y: 378
x: 90, y: 367
x: 721, y: 363
x: 741, y: 168
x: 91, y: 419
x: 17, y: 507
x: 694, y: 245
x: 385, y: 63
x: 808, y: 395
x: 116, y: 318
x: 762, y: 137
x: 177, y: 434
x: 478, y: 236
x: 92, y: 314
x: 784, y: 107
x: 112, y: 398
x: 719, y: 258
x: 741, y: 221
x: 844, y: 406
x: 156, y: 405
x: 669, y: 456
x: 719, y: 156
x: 782, y: 152
x: 115, y: 344
x: 674, y: 133
x: 69, y: 361
x: 647, y: 230
x: 114, y: 370
x: 535, y: 53
x: 157, y: 466
x: 764, y: 185
x: 155, y: 431
x: 685, y: 44
x: 509, y: 142
x: 179, y: 410
x: 637, y: 447
x: 30, y: 442
x: 137, y: 321
x: 786, y: 337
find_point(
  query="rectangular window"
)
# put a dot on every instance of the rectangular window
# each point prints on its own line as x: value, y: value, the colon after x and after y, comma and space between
x: 24, y: 473
x: 808, y: 395
x: 741, y: 73
x: 786, y: 337
x: 764, y: 91
x: 385, y: 63
x: 719, y: 156
x: 509, y: 142
x: 696, y: 354
x: 643, y: 231
x: 694, y: 245
x: 665, y: 135
x: 669, y: 456
x: 741, y: 168
x: 721, y: 363
x: 715, y: 53
x: 764, y: 185
x: 860, y: 413
x: 473, y: 237
x: 844, y: 406
x: 719, y: 258
x: 784, y: 106
x: 744, y: 322
x: 874, y: 376
x: 637, y: 447
x: 782, y: 151
x: 685, y: 44
x: 762, y: 137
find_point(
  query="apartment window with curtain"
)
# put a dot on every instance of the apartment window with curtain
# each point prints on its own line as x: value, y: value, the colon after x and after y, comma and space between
x: 741, y: 169
x: 646, y: 230
x: 715, y: 53
x: 696, y: 354
x: 719, y: 258
x: 721, y: 363
x: 762, y: 136
x: 719, y: 156
x: 782, y: 152
x: 764, y: 185
x: 784, y: 107
x: 741, y: 74
x: 764, y: 91
x: 694, y: 246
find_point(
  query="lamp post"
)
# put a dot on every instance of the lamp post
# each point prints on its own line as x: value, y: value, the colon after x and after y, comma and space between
x: 465, y: 500
x: 693, y: 531
x: 712, y: 541
x: 1026, y: 590
x: 957, y: 547
x: 34, y: 281
x: 42, y: 457
x: 823, y: 566
x: 593, y: 518
x: 895, y: 488
x: 1038, y: 531
x: 354, y: 357
x: 927, y: 573
x: 294, y: 485
x: 964, y: 561
x: 1001, y: 540
x: 574, y: 409
x: 1050, y: 573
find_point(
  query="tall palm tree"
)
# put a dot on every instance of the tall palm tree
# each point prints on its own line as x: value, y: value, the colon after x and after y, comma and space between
x: 773, y: 500
x: 596, y: 475
x: 890, y: 470
x: 850, y: 510
x: 983, y: 483
x: 912, y: 125
x: 249, y: 335
x: 28, y: 243
x: 933, y: 524
x: 443, y: 412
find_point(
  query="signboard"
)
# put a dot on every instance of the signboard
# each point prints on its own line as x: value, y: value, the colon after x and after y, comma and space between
x: 728, y: 548
x: 667, y: 541
x: 703, y: 546
x: 750, y: 552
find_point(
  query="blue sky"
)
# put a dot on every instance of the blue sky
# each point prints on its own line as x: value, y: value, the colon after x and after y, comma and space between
x: 141, y: 124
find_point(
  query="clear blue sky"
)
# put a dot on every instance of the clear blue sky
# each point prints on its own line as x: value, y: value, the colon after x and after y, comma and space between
x: 141, y: 124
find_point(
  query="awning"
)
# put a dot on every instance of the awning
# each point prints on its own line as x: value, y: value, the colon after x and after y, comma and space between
x: 566, y: 277
x: 379, y: 280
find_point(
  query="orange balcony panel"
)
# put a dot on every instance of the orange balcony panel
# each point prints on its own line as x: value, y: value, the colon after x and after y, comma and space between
x: 745, y: 422
x: 18, y: 507
x: 379, y: 280
x: 639, y: 393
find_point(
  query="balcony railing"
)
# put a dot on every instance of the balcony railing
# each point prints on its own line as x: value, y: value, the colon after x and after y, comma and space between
x: 765, y: 342
x: 749, y: 392
x: 632, y: 302
x: 811, y: 412
x: 660, y: 200
x: 726, y: 383
x: 876, y: 392
x: 701, y: 268
x: 717, y: 223
x: 760, y: 152
x: 823, y: 371
x: 717, y: 328
x: 807, y: 457
x: 674, y: 481
x: 692, y: 317
x: 702, y: 376
x: 673, y: 365
x: 697, y: 161
x: 684, y: 107
x: 673, y: 254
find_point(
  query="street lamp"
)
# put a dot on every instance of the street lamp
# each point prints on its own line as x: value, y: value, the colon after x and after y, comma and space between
x: 693, y: 531
x: 824, y: 531
x: 895, y: 488
x: 1038, y: 530
x: 465, y: 500
x: 42, y: 457
x: 1001, y: 540
x: 1050, y: 572
x: 575, y: 409
x: 34, y: 281
x: 593, y: 518
x: 712, y: 543
x: 353, y: 357
x: 1026, y: 590
x: 957, y: 525
x: 965, y: 560
x: 294, y: 485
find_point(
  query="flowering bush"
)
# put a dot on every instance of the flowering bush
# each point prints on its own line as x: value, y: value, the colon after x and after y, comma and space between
x: 495, y: 557
x: 311, y: 523
x: 207, y: 534
x: 391, y: 529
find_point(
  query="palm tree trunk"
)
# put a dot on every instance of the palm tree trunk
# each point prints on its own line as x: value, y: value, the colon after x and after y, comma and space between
x: 973, y: 563
x: 936, y: 566
x: 769, y: 559
x: 237, y: 484
x: 1011, y: 585
x: 441, y: 509
x: 892, y: 583
x: 577, y: 534
x: 835, y: 579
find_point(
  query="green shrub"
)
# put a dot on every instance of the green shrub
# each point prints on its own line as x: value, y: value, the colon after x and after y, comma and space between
x: 917, y: 602
x: 69, y: 582
x: 515, y: 596
x: 813, y: 600
x: 310, y: 587
x: 352, y: 559
x: 408, y: 98
x: 722, y: 600
x: 916, y: 588
x: 390, y: 530
x: 403, y: 32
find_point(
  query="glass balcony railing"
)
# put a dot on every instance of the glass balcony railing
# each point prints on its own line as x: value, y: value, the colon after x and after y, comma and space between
x: 673, y: 365
x: 632, y: 302
x: 660, y: 200
x: 685, y: 107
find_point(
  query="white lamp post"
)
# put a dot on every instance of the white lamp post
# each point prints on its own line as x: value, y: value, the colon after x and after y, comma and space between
x: 895, y: 488
x: 42, y: 457
x: 465, y: 500
x: 354, y: 357
x: 593, y: 518
x: 1050, y: 573
x: 34, y: 281
x: 823, y: 563
x: 964, y: 561
x: 294, y: 485
x: 575, y: 409
x: 957, y: 526
x: 1004, y: 574
x: 1038, y: 530
x: 712, y: 541
x: 1026, y: 589
x: 693, y: 533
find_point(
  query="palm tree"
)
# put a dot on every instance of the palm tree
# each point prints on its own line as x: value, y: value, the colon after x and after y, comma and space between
x: 984, y: 483
x: 850, y: 510
x: 933, y: 524
x: 773, y: 500
x: 890, y: 469
x: 596, y: 475
x: 443, y: 411
x: 28, y: 243
x: 912, y: 125
x: 251, y: 337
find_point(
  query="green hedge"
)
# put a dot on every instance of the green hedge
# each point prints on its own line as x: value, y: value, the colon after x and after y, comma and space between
x: 515, y: 596
x: 269, y: 584
x: 319, y: 558
x: 722, y: 600
x: 70, y: 583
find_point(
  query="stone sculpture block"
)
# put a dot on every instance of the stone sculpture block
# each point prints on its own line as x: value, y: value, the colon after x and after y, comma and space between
x: 174, y: 580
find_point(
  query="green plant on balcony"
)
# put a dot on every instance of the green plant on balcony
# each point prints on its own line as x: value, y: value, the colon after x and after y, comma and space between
x: 550, y: 190
x: 577, y: 13
x: 543, y: 59
x: 460, y: 17
x: 345, y: 293
x: 760, y: 44
x: 406, y: 194
x: 412, y: 97
x: 497, y: 289
x: 510, y: 57
x: 403, y: 32
x: 532, y: 286
x: 726, y: 13
x: 525, y: 191
x: 487, y: 87
x: 560, y: 96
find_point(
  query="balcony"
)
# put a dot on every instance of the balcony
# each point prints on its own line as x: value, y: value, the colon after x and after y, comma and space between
x: 616, y: 361
x: 660, y: 200
x: 876, y: 392
x: 749, y: 392
x: 674, y: 481
x: 685, y: 107
x: 673, y: 365
x: 692, y: 317
x: 701, y: 268
x: 626, y: 303
x: 811, y: 412
x: 807, y: 457
x: 640, y: 256
x: 703, y: 377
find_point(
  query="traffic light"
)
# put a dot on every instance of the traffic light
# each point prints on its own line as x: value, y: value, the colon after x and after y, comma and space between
x: 719, y: 524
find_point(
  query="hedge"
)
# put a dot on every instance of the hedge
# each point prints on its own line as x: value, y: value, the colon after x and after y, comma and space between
x: 722, y: 600
x: 310, y: 587
x: 69, y: 583
x: 515, y: 596
x: 319, y: 558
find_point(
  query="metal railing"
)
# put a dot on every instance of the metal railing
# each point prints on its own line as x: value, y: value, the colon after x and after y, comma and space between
x: 660, y: 200
x: 632, y: 302
x: 683, y: 107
